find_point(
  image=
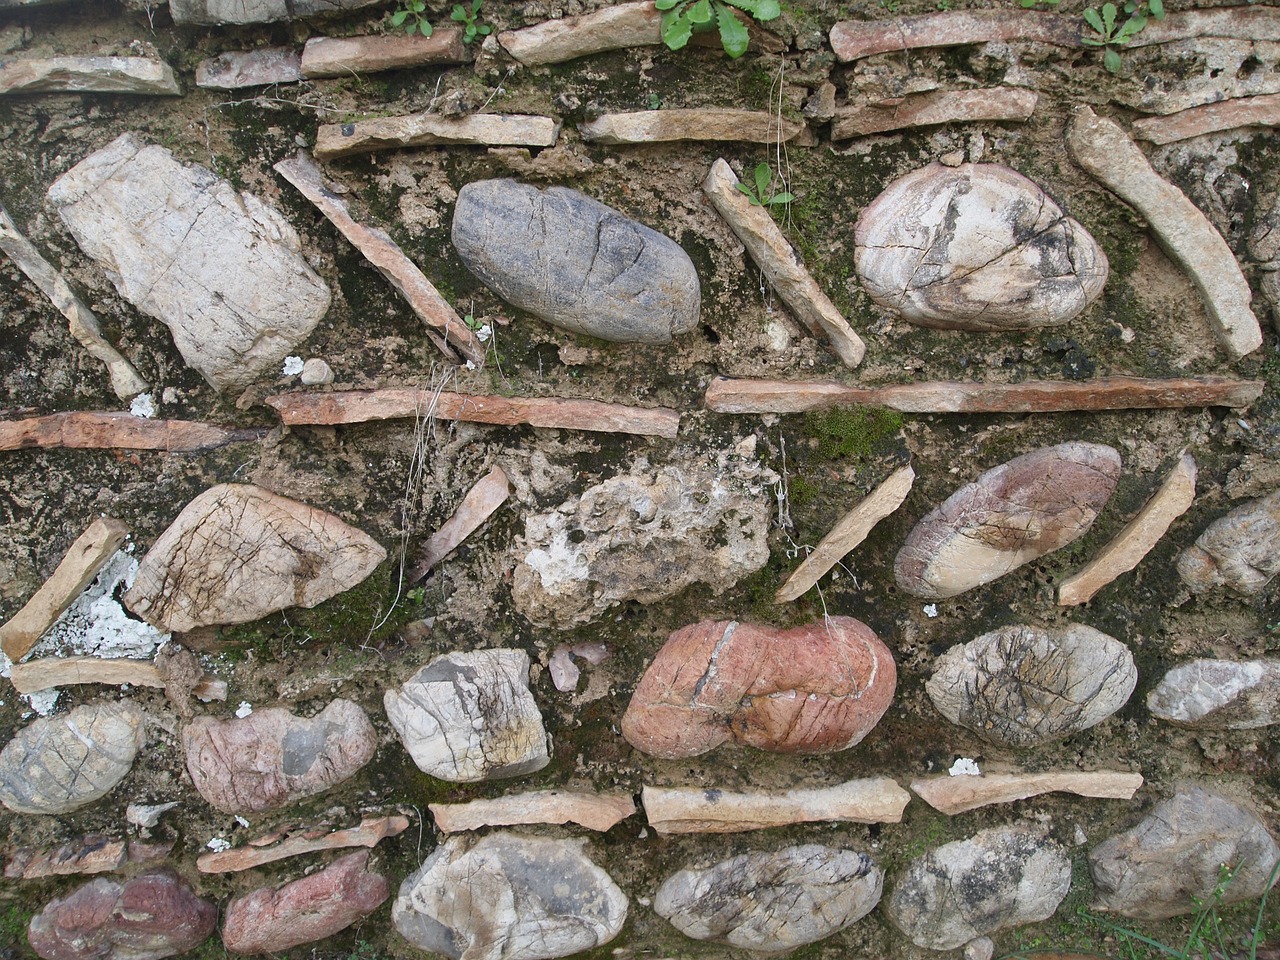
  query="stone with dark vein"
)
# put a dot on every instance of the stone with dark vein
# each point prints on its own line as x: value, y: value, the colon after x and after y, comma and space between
x: 1022, y: 686
x: 1240, y: 551
x: 1219, y: 694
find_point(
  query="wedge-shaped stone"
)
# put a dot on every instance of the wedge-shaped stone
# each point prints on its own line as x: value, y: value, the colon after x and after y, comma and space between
x: 489, y: 493
x: 594, y: 811
x: 89, y: 75
x: 237, y: 69
x: 271, y: 758
x: 1022, y: 686
x: 238, y: 552
x: 818, y: 688
x: 1240, y: 551
x: 928, y: 109
x: 976, y: 247
x: 470, y: 716
x: 1219, y: 695
x: 345, y: 56
x: 508, y: 897
x: 952, y: 795
x: 703, y: 123
x: 772, y: 902
x: 61, y: 763
x: 221, y: 269
x: 430, y: 129
x: 613, y: 28
x: 256, y: 11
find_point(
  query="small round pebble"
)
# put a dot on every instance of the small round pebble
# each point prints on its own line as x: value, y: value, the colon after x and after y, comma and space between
x: 316, y: 372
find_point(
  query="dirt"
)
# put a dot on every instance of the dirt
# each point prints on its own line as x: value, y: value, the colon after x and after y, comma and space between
x: 399, y: 483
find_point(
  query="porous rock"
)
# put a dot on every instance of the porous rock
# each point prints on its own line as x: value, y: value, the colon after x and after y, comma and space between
x: 1012, y: 514
x: 575, y: 262
x: 151, y: 916
x: 508, y: 897
x: 470, y: 716
x: 999, y: 878
x: 59, y: 764
x: 1171, y: 861
x: 271, y: 757
x: 1219, y: 694
x: 317, y: 906
x: 976, y: 247
x: 645, y: 535
x: 1023, y: 685
x: 238, y: 552
x: 817, y: 688
x: 1240, y: 551
x: 772, y: 902
x: 221, y: 269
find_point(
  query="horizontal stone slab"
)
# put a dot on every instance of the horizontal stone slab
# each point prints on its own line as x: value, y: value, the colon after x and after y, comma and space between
x: 665, y: 126
x: 92, y: 430
x: 269, y: 849
x: 595, y: 811
x: 429, y: 129
x: 89, y: 75
x: 1006, y: 104
x: 952, y: 795
x: 208, y: 12
x: 343, y: 56
x: 702, y: 810
x: 613, y: 28
x: 1262, y: 111
x: 249, y: 68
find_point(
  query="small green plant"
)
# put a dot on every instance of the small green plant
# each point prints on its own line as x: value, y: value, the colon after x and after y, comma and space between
x: 655, y: 102
x: 411, y: 17
x: 1109, y: 32
x: 470, y: 17
x: 680, y: 18
x: 760, y: 195
x: 890, y: 5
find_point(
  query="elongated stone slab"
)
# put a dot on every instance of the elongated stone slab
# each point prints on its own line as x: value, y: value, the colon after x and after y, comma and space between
x: 1261, y: 111
x: 952, y: 795
x: 855, y: 39
x: 754, y: 226
x: 208, y: 12
x: 89, y: 75
x: 1106, y: 152
x: 1237, y: 23
x: 369, y: 833
x: 50, y: 672
x: 1137, y: 538
x: 92, y: 430
x: 594, y: 811
x: 1002, y: 104
x: 702, y: 810
x: 489, y: 493
x: 665, y: 126
x: 89, y: 854
x: 428, y: 129
x: 344, y: 56
x: 613, y: 28
x: 236, y: 69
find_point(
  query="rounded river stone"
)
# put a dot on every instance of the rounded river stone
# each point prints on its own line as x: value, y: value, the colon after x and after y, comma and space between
x: 1240, y: 551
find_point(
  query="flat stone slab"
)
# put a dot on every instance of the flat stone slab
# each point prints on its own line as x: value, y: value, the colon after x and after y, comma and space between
x: 211, y: 12
x: 613, y: 28
x: 952, y: 795
x: 1239, y: 551
x: 140, y: 75
x: 666, y: 126
x: 711, y: 810
x: 1219, y: 695
x: 344, y: 56
x: 237, y: 69
x: 855, y: 39
x: 1261, y: 111
x: 996, y: 104
x: 335, y: 140
x: 111, y: 430
x: 591, y: 810
x: 263, y: 850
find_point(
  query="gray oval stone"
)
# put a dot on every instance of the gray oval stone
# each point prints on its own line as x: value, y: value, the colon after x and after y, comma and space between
x: 1240, y: 551
x: 772, y: 902
x: 576, y: 263
x: 1023, y: 686
x: 1219, y: 694
x: 59, y: 764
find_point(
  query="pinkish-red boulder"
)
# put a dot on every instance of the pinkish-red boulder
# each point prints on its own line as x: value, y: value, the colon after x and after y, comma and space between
x: 274, y: 919
x: 152, y: 916
x: 813, y: 689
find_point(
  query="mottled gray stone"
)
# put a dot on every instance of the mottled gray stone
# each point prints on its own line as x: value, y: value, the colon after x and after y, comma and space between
x: 256, y: 11
x: 575, y: 262
x: 1219, y: 694
x: 237, y: 69
x: 59, y: 764
x: 772, y: 902
x: 1240, y: 551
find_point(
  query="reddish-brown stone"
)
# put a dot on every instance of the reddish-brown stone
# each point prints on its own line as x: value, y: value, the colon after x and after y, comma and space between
x: 813, y: 689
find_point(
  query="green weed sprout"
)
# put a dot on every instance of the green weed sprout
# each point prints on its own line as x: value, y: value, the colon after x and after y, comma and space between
x: 760, y: 195
x: 470, y: 16
x: 411, y: 16
x: 680, y: 18
x: 1109, y: 32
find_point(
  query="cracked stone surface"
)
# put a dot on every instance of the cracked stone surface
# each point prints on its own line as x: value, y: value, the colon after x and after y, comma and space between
x: 238, y: 552
x: 999, y: 878
x: 508, y: 897
x: 1012, y: 514
x: 1021, y: 686
x: 59, y: 764
x: 271, y: 758
x: 1240, y: 551
x: 818, y: 688
x: 1219, y: 694
x: 772, y: 902
x: 1173, y: 856
x: 645, y: 535
x: 152, y: 916
x: 470, y: 716
x: 221, y: 269
x: 976, y: 247
x: 576, y: 263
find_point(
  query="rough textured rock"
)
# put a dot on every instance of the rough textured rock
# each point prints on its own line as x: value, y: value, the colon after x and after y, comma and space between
x: 272, y: 757
x: 555, y: 41
x: 1023, y: 686
x: 575, y: 262
x: 855, y: 39
x: 256, y: 11
x: 772, y: 902
x: 1219, y: 694
x: 317, y: 906
x: 702, y: 810
x: 235, y: 69
x: 1012, y: 514
x: 149, y: 917
x: 976, y: 247
x: 1240, y: 551
x: 508, y: 897
x: 345, y: 56
x: 59, y: 764
x: 645, y: 536
x: 306, y: 839
x: 998, y: 878
x: 1002, y: 104
x: 1262, y: 111
x: 92, y: 853
x: 238, y: 552
x: 665, y: 126
x: 817, y: 688
x: 136, y: 75
x: 957, y: 794
x: 221, y: 269
x: 594, y: 811
x: 470, y: 716
x: 424, y: 129
x: 1155, y: 869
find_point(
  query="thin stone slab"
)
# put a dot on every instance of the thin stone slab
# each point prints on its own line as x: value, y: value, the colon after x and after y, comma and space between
x: 1105, y: 151
x: 709, y: 810
x: 482, y: 500
x: 1238, y: 23
x: 213, y: 12
x: 51, y: 672
x: 1192, y: 73
x: 85, y: 855
x: 995, y: 104
x: 855, y: 39
x: 613, y: 28
x: 261, y: 851
x: 237, y: 69
x: 1261, y: 111
x: 335, y: 140
x: 594, y: 811
x: 952, y: 795
x: 755, y: 227
x: 111, y: 430
x: 1138, y: 538
x: 347, y: 56
x: 700, y: 123
x: 1239, y: 551
x: 138, y: 75
x: 1219, y: 695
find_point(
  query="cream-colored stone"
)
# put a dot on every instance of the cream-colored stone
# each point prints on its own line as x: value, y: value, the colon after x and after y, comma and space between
x: 591, y: 810
x: 1002, y: 104
x: 698, y: 123
x: 613, y: 28
x: 261, y: 851
x: 703, y: 810
x: 89, y: 75
x: 429, y: 129
x: 952, y: 795
x: 347, y: 56
x: 489, y: 493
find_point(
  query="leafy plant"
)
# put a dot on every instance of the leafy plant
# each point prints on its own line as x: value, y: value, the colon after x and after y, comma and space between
x: 760, y: 195
x: 411, y: 16
x: 470, y: 16
x: 1109, y: 32
x: 680, y: 18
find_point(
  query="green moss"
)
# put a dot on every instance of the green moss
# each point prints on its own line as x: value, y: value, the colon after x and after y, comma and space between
x: 13, y: 923
x: 854, y: 432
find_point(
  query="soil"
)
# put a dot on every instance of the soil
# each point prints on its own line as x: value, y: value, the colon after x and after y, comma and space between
x: 399, y: 483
